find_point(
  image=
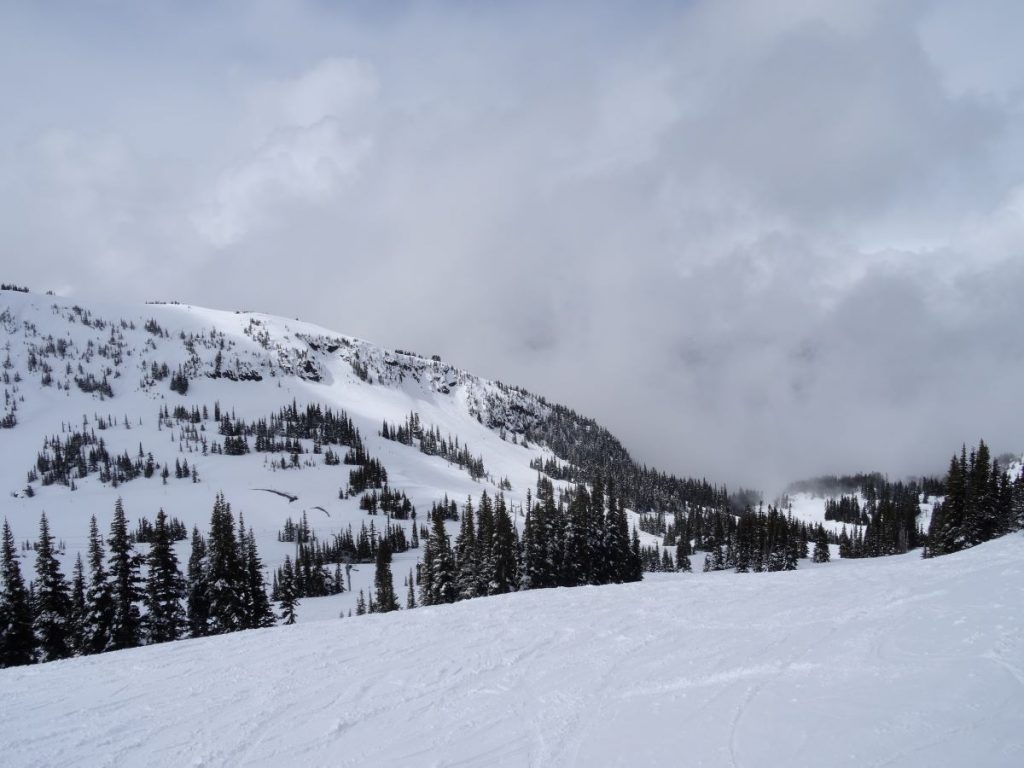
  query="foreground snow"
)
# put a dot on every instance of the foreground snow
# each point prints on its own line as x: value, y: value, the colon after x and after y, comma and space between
x: 864, y: 663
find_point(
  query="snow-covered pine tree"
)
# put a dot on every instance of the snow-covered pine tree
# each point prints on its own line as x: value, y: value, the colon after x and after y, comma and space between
x: 126, y: 584
x: 260, y: 612
x: 386, y: 599
x: 52, y: 606
x: 198, y: 585
x: 503, y: 576
x: 225, y: 572
x: 821, y: 549
x: 467, y: 557
x: 441, y: 581
x: 99, y: 601
x: 165, y: 588
x: 286, y: 591
x: 78, y: 606
x: 17, y: 640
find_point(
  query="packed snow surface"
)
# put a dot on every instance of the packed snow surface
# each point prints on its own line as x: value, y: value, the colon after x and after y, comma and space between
x: 890, y: 662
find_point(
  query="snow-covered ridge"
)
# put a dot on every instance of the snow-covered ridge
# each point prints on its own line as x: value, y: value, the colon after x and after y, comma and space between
x: 65, y: 342
x: 111, y: 371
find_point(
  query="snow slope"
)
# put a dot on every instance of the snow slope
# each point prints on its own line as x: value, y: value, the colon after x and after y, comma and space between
x: 916, y: 663
x: 268, y: 362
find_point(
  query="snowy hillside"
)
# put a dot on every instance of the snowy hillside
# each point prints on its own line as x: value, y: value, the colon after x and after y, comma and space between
x: 107, y: 373
x: 920, y: 663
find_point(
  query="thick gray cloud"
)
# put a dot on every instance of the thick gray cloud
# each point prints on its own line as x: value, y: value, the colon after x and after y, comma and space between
x: 758, y: 241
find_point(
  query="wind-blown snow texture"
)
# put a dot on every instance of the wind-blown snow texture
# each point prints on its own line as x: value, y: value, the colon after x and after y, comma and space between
x: 894, y: 662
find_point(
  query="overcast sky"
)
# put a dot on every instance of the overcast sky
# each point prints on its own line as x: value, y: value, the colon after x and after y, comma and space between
x: 758, y: 241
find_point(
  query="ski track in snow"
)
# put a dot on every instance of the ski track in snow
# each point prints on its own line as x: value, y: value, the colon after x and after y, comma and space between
x: 885, y: 663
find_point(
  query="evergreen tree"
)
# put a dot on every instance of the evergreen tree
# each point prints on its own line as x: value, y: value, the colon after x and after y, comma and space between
x: 617, y: 547
x: 821, y: 548
x: 17, y: 640
x: 198, y: 609
x: 99, y: 599
x: 260, y: 612
x: 126, y: 591
x: 52, y: 607
x: 225, y: 572
x: 636, y: 566
x: 575, y: 551
x: 503, y: 575
x: 484, y: 543
x: 438, y: 580
x: 286, y: 592
x: 683, y: 552
x: 78, y: 606
x: 387, y: 600
x: 467, y: 557
x: 165, y: 587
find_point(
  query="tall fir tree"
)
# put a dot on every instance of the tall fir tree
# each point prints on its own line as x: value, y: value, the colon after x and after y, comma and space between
x: 260, y: 612
x: 52, y: 607
x: 165, y: 587
x: 503, y: 576
x: 467, y: 557
x: 17, y: 640
x: 99, y: 599
x: 79, y: 612
x: 225, y: 572
x: 683, y: 552
x: 126, y: 582
x: 821, y: 547
x: 198, y: 585
x: 438, y: 579
x: 286, y: 592
x: 386, y: 600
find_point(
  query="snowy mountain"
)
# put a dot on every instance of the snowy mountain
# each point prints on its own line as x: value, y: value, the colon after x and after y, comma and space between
x: 323, y: 440
x: 918, y: 663
x: 149, y: 382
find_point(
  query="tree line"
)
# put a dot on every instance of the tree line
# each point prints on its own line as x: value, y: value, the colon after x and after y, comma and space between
x: 110, y: 605
x: 981, y: 503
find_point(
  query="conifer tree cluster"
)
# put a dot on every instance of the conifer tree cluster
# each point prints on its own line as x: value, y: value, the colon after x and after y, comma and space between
x: 123, y: 598
x: 433, y: 443
x: 281, y: 432
x: 394, y: 504
x: 580, y: 538
x: 316, y: 569
x: 890, y: 513
x: 757, y: 541
x: 845, y: 509
x: 981, y: 503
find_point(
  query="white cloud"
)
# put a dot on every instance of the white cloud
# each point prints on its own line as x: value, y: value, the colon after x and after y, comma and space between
x: 750, y: 237
x: 313, y: 135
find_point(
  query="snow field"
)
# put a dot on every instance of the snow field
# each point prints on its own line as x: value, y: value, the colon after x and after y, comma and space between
x: 887, y: 662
